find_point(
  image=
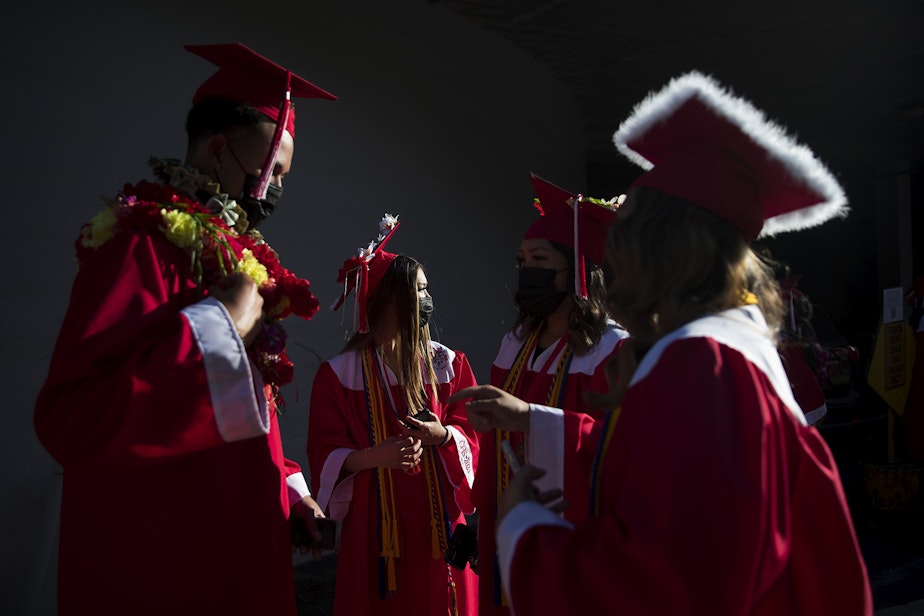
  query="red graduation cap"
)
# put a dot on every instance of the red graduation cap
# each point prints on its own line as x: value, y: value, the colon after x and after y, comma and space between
x: 364, y: 272
x: 244, y: 76
x: 703, y: 144
x: 574, y: 221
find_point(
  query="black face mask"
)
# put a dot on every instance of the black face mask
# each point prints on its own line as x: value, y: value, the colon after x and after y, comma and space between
x: 425, y: 310
x: 537, y: 296
x: 258, y: 210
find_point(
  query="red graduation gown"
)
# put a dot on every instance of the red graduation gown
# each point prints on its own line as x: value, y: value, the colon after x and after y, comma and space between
x: 715, y: 497
x: 175, y: 487
x: 569, y: 472
x: 339, y: 424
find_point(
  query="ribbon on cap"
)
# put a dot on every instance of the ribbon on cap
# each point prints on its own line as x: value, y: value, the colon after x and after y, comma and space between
x: 285, y: 110
x: 356, y: 273
x: 361, y: 298
x: 580, y: 273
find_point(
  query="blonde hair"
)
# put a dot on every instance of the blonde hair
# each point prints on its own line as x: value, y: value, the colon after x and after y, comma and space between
x: 673, y: 262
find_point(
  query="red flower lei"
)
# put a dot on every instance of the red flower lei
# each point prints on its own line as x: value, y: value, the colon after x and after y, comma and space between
x: 217, y: 251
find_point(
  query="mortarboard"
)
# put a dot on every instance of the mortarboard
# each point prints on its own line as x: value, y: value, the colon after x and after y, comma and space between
x: 574, y: 221
x: 244, y: 76
x: 364, y: 271
x: 701, y: 143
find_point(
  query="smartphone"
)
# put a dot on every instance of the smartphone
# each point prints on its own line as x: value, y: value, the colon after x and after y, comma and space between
x: 510, y: 455
x: 422, y: 415
x: 300, y: 536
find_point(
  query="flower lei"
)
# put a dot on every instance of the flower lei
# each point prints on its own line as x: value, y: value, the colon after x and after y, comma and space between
x: 215, y: 236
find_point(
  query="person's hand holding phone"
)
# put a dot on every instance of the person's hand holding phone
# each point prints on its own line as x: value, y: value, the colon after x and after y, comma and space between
x: 521, y: 489
x: 426, y: 427
x: 309, y: 529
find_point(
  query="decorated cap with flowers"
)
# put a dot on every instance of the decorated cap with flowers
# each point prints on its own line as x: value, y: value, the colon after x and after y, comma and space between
x: 364, y: 271
x: 575, y: 221
x: 244, y: 76
x: 701, y: 143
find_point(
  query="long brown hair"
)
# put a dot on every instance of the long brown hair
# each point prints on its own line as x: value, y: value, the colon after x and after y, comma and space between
x: 398, y: 287
x: 673, y: 261
x: 588, y: 317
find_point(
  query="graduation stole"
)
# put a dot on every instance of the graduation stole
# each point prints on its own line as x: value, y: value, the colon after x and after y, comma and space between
x: 378, y: 398
x: 512, y: 384
x: 609, y: 427
x: 440, y: 522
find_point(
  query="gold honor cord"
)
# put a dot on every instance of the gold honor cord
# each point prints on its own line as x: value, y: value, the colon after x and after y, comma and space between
x: 388, y: 532
x: 376, y: 393
x: 553, y: 398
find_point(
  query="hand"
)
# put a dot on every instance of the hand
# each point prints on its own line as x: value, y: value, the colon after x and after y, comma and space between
x: 308, y: 510
x: 398, y: 452
x: 521, y: 490
x: 490, y: 407
x: 428, y: 432
x: 238, y: 292
x: 618, y: 371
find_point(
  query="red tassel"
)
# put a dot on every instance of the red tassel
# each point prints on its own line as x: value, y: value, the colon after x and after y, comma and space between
x: 285, y: 110
x: 580, y: 275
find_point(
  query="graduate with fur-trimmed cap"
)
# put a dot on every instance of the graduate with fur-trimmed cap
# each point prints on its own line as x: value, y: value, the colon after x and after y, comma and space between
x: 710, y: 494
x: 700, y: 143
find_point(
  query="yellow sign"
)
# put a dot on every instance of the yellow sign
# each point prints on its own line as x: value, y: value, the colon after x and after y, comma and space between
x: 890, y: 367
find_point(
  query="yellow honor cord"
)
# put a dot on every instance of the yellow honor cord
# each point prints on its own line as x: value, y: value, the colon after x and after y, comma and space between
x: 387, y: 498
x: 511, y: 384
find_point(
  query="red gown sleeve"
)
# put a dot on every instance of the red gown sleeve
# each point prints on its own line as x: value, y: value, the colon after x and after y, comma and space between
x: 330, y: 440
x: 460, y: 455
x: 697, y: 510
x: 133, y: 379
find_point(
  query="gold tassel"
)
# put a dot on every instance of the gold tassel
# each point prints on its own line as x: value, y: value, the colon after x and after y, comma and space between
x: 392, y: 583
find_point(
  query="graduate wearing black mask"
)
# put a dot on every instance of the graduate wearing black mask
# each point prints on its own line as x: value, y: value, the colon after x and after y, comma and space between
x: 168, y: 366
x: 555, y: 352
x: 387, y: 456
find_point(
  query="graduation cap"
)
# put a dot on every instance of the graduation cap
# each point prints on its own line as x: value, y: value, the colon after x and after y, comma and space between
x: 701, y: 143
x: 244, y: 76
x: 364, y: 271
x: 575, y: 221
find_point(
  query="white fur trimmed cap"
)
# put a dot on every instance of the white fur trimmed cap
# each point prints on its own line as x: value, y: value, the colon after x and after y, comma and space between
x: 699, y: 142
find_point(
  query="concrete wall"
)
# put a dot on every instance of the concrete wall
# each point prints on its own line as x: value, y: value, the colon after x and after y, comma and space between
x: 437, y: 121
